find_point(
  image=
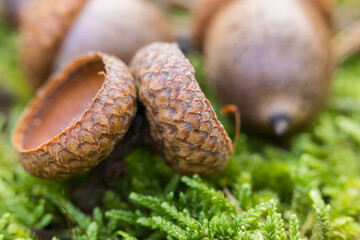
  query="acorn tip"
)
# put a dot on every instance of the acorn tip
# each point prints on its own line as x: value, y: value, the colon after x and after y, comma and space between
x: 280, y: 125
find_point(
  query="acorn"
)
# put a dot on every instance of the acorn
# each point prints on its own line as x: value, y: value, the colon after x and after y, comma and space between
x: 77, y: 117
x: 183, y: 124
x: 54, y: 31
x: 271, y: 58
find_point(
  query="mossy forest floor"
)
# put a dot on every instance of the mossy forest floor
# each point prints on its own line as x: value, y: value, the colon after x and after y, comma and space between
x: 307, y: 189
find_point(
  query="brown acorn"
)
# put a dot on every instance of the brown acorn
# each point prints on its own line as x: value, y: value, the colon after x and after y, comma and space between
x: 54, y: 31
x: 271, y: 58
x: 182, y: 121
x: 76, y: 118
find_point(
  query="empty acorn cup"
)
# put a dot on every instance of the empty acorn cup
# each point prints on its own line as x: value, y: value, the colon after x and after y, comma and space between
x: 76, y: 118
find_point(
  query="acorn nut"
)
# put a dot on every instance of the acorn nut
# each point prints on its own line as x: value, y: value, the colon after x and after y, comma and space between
x: 182, y: 121
x: 76, y: 118
x: 54, y: 31
x: 271, y: 58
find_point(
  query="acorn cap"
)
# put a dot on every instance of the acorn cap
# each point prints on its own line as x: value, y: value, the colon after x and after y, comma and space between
x: 43, y: 25
x: 76, y: 118
x: 182, y: 121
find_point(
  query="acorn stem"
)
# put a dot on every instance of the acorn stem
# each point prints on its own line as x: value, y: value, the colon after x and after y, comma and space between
x: 227, y: 109
x: 231, y: 108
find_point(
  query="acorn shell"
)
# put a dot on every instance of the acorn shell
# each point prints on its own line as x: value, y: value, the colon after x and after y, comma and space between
x: 55, y: 31
x: 273, y: 60
x: 76, y: 118
x: 182, y: 121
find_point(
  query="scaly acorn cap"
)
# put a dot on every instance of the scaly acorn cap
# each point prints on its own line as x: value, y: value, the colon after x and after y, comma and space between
x: 182, y: 121
x: 43, y: 25
x: 76, y: 118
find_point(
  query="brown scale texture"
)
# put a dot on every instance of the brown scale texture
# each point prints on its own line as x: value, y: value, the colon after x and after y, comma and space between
x: 182, y: 121
x: 42, y: 27
x: 88, y: 140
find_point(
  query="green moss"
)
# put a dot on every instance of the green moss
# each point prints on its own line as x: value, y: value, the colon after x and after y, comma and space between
x: 11, y: 77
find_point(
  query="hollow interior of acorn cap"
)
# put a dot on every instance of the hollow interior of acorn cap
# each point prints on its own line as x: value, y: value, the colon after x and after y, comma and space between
x: 66, y: 104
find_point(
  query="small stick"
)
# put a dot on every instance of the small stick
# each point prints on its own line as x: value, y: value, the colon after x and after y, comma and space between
x: 69, y: 219
x: 231, y: 198
x: 69, y: 224
x: 231, y: 108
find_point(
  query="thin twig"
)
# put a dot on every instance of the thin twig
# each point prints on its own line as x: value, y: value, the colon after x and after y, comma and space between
x: 70, y: 219
x: 231, y: 108
x: 231, y: 198
x: 225, y: 111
